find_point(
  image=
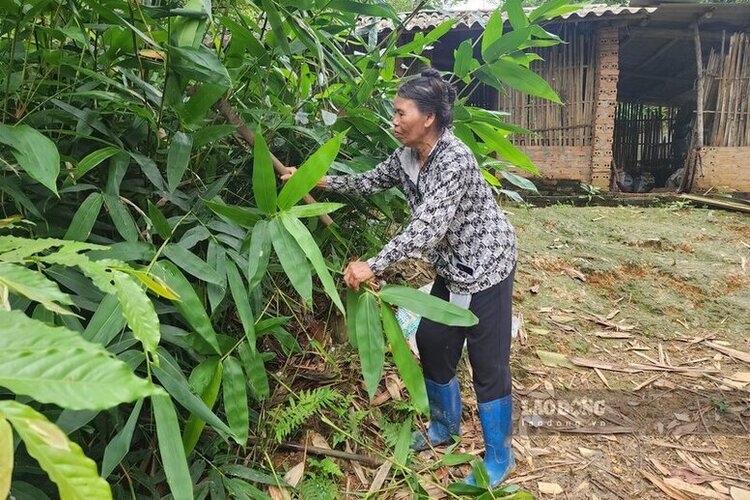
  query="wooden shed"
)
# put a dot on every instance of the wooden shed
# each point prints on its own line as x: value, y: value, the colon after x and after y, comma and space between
x: 637, y: 110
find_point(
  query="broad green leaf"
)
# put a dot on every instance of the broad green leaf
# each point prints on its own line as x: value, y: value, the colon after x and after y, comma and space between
x: 253, y: 475
x: 380, y: 9
x: 177, y: 386
x: 154, y: 283
x: 509, y: 42
x: 464, y: 61
x: 407, y: 366
x: 170, y: 448
x: 490, y: 178
x: 481, y: 475
x: 352, y: 304
x: 194, y: 112
x: 451, y: 460
x: 159, y: 221
x: 63, y: 460
x: 121, y: 217
x: 85, y: 218
x: 308, y: 245
x: 92, y: 160
x: 497, y: 142
x: 189, y: 305
x: 309, y: 173
x: 255, y: 370
x: 35, y: 153
x: 6, y: 457
x: 516, y: 15
x: 519, y: 181
x: 34, y: 286
x: 192, y: 264
x: 200, y: 64
x: 241, y: 301
x: 427, y: 306
x: 522, y: 79
x: 552, y: 9
x: 55, y: 365
x: 258, y: 255
x: 208, y: 135
x: 138, y: 311
x: 314, y: 209
x: 119, y: 446
x: 239, y: 488
x: 493, y: 30
x: 292, y: 259
x: 245, y: 217
x: 370, y: 342
x: 235, y: 400
x: 264, y: 177
x: 209, y: 393
x: 274, y: 19
x: 178, y: 158
x: 404, y: 439
x: 216, y: 258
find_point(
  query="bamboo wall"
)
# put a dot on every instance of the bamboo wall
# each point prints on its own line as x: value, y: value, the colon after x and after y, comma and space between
x: 727, y: 94
x: 571, y: 71
x: 644, y: 137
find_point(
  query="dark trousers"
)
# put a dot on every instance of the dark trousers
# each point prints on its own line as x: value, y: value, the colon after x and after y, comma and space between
x: 488, y: 342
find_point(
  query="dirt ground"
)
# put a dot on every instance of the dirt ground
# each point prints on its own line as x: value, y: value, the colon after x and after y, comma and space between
x: 632, y: 364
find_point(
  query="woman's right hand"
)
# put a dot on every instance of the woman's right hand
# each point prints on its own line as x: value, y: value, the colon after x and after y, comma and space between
x: 290, y: 171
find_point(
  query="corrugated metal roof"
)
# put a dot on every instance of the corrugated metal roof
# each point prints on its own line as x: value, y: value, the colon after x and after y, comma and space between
x: 478, y: 19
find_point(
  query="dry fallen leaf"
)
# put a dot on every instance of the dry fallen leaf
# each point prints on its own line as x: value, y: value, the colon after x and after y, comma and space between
x: 575, y: 274
x: 534, y: 289
x: 294, y: 475
x: 681, y: 485
x: 554, y: 359
x: 738, y: 493
x: 613, y: 314
x: 549, y: 488
x: 589, y: 453
x: 741, y: 376
x: 562, y: 318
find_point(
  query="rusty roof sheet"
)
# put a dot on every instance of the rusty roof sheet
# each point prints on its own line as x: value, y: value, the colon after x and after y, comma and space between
x: 477, y: 19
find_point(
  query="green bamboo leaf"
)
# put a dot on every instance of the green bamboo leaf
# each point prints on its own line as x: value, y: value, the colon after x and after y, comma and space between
x: 241, y: 301
x: 178, y: 159
x: 309, y: 173
x: 160, y: 222
x: 493, y: 30
x: 200, y: 64
x: 274, y: 19
x: 55, y: 365
x: 190, y: 263
x: 352, y: 304
x: 258, y: 255
x: 63, y: 460
x: 85, y: 218
x: 464, y: 61
x: 170, y: 448
x: 154, y: 283
x: 522, y: 79
x: 308, y: 245
x: 177, y: 386
x: 451, y: 460
x: 292, y: 259
x: 235, y: 400
x: 253, y: 475
x: 370, y: 342
x: 497, y: 142
x: 34, y: 286
x: 189, y: 305
x: 107, y: 322
x: 6, y: 457
x: 121, y: 218
x: 314, y: 209
x: 407, y: 366
x: 404, y: 439
x: 138, y: 311
x: 519, y: 181
x: 35, y: 153
x: 208, y: 135
x: 516, y: 15
x: 119, y: 446
x: 553, y: 9
x: 195, y: 110
x: 264, y: 177
x: 255, y: 370
x: 245, y: 217
x: 427, y: 306
x: 92, y: 160
x: 209, y: 392
x: 509, y: 42
x: 216, y: 258
x: 380, y: 9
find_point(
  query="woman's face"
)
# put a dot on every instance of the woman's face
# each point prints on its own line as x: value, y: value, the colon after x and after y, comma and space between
x: 410, y: 125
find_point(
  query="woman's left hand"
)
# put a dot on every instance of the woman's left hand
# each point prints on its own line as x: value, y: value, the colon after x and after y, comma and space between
x: 356, y: 273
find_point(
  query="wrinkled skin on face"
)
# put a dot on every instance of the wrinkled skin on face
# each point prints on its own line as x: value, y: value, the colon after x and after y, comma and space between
x: 411, y: 127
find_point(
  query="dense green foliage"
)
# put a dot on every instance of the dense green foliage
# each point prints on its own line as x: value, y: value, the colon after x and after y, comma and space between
x: 119, y: 177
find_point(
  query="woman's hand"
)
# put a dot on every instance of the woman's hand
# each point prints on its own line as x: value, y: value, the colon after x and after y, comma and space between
x: 356, y: 273
x: 290, y: 171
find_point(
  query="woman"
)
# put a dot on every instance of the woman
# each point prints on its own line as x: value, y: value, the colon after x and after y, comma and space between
x: 456, y: 223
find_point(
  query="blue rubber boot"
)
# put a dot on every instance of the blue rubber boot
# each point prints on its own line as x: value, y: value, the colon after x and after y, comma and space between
x: 497, y: 427
x: 445, y: 415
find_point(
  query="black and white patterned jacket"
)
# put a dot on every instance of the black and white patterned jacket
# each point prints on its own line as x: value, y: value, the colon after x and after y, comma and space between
x: 455, y: 220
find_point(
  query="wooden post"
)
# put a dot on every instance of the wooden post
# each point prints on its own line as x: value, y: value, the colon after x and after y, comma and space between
x: 692, y: 157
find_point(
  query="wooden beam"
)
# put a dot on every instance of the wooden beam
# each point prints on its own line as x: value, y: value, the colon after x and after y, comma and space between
x: 690, y: 163
x: 656, y: 55
x: 675, y: 33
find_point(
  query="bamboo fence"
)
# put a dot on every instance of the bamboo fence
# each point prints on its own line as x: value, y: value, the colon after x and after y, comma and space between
x: 727, y: 94
x: 570, y: 70
x: 643, y: 137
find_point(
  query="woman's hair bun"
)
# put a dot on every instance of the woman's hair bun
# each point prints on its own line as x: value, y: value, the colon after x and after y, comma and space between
x: 432, y: 73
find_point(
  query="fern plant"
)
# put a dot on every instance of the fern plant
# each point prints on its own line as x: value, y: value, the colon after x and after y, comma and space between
x: 289, y: 418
